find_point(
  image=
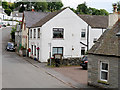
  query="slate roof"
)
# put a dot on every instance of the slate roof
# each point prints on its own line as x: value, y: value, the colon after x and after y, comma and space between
x: 47, y: 18
x: 33, y: 17
x: 95, y: 21
x: 17, y: 14
x: 107, y: 44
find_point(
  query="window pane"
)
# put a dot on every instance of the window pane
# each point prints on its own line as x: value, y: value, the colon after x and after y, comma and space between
x: 104, y: 66
x: 54, y: 51
x: 60, y: 50
x: 38, y: 32
x: 104, y: 75
x: 82, y: 50
x: 82, y: 34
x: 58, y: 32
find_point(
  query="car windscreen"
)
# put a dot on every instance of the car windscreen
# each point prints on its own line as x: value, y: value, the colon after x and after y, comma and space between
x: 10, y: 45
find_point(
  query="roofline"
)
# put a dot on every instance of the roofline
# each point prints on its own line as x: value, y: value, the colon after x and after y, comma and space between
x: 49, y: 19
x: 103, y: 55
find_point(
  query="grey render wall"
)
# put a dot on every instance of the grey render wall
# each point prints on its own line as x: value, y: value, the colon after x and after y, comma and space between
x: 94, y: 71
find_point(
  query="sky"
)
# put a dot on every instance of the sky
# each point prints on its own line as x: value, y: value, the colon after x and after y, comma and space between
x: 99, y: 4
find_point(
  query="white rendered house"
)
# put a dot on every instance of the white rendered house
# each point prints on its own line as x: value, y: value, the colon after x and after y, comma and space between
x: 61, y: 33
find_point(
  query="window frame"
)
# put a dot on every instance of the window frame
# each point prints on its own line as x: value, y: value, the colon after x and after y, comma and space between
x: 38, y: 32
x: 35, y: 50
x: 57, y: 50
x: 82, y: 49
x: 58, y: 29
x: 32, y: 49
x: 84, y: 34
x: 34, y: 33
x: 101, y: 70
x: 30, y: 33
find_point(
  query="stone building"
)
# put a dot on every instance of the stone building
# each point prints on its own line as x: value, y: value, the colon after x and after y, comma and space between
x: 104, y: 59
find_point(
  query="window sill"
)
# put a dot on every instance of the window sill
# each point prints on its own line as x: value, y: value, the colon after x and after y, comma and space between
x: 103, y: 82
x: 83, y: 39
x: 58, y: 39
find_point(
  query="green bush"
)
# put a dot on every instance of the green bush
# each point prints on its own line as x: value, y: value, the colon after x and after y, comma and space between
x: 8, y: 11
x: 8, y: 24
x: 13, y: 34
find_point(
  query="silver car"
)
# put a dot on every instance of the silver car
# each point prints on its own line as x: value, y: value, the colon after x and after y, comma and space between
x: 10, y: 46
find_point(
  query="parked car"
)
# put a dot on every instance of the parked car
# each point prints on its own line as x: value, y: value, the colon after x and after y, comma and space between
x: 3, y: 25
x: 84, y: 62
x: 10, y: 46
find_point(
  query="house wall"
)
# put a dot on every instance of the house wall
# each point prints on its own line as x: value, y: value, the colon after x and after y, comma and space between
x: 94, y: 33
x: 94, y: 70
x: 72, y: 25
x: 35, y: 42
x: 25, y: 36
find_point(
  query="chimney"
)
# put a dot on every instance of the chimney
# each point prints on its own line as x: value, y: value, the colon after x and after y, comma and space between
x: 33, y: 9
x: 114, y: 8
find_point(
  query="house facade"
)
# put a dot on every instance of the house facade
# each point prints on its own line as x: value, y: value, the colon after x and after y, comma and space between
x: 18, y: 35
x: 29, y: 18
x: 60, y: 33
x: 104, y: 59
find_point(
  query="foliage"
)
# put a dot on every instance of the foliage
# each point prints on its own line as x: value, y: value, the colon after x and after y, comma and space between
x: 41, y: 6
x: 8, y: 7
x: 8, y: 11
x: 0, y: 3
x: 103, y: 82
x: 5, y: 5
x: 83, y: 9
x: 8, y: 24
x: 53, y: 6
x: 13, y: 33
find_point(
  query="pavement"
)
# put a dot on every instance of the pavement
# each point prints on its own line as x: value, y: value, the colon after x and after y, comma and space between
x: 74, y: 76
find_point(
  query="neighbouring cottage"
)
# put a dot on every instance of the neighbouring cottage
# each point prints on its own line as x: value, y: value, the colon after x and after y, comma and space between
x: 64, y: 32
x: 104, y: 57
x: 17, y: 16
x: 29, y: 18
x: 18, y: 39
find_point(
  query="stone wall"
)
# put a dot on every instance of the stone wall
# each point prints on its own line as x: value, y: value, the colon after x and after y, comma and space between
x: 68, y: 61
x: 94, y: 71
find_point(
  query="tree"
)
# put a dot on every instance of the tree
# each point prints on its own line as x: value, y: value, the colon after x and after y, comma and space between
x: 103, y: 12
x: 5, y: 5
x: 73, y: 10
x: 13, y: 33
x: 0, y: 3
x: 82, y: 8
x: 8, y: 11
x: 11, y: 6
x: 40, y: 6
x: 52, y: 6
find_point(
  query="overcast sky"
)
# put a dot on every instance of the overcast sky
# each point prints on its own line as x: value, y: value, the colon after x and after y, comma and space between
x: 99, y: 4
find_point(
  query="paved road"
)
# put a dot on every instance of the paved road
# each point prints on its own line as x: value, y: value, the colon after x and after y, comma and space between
x: 18, y: 73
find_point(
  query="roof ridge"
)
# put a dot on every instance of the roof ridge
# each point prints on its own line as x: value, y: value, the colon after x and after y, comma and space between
x: 48, y: 17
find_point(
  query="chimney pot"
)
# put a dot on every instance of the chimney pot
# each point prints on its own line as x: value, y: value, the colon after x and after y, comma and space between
x: 115, y: 8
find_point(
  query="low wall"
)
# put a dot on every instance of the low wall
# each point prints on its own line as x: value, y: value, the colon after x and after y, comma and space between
x: 67, y: 61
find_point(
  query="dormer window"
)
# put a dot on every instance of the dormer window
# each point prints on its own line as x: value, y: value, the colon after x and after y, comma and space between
x: 58, y: 33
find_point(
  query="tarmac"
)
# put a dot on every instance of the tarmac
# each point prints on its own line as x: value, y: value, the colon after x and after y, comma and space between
x: 56, y: 73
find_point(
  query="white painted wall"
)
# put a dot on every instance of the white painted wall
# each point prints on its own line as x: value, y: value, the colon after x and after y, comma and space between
x: 72, y: 25
x: 10, y: 22
x: 94, y: 33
